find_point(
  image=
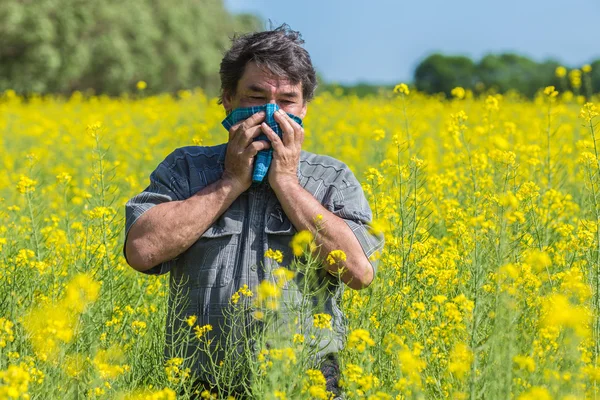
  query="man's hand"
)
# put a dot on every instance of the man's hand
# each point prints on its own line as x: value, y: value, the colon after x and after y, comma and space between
x: 286, y: 152
x: 241, y: 150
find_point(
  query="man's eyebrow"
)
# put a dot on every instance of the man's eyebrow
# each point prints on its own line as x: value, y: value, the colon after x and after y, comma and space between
x: 260, y: 89
x: 290, y: 94
x: 256, y: 88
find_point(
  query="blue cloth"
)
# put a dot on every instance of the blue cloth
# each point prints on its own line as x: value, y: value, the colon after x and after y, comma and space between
x: 264, y: 157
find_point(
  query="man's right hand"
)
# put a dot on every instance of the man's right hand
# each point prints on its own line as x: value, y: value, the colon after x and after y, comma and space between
x: 241, y: 150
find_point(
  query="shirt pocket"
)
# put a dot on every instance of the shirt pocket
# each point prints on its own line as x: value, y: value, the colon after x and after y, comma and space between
x: 279, y: 232
x: 212, y: 260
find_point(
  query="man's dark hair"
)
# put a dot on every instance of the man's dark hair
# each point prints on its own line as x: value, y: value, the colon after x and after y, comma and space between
x: 279, y: 51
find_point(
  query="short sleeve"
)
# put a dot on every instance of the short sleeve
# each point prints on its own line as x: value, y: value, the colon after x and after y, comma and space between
x: 168, y: 182
x: 350, y: 204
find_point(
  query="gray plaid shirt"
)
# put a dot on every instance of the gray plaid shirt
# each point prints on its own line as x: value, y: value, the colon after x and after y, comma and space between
x: 231, y: 252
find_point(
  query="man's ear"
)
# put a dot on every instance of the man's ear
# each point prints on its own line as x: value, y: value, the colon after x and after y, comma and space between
x: 227, y: 103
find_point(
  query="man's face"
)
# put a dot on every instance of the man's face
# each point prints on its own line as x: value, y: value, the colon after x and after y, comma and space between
x: 258, y: 87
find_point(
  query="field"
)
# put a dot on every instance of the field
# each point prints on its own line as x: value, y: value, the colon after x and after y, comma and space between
x: 488, y: 286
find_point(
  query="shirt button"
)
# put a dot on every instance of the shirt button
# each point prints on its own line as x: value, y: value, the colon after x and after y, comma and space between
x: 253, y: 268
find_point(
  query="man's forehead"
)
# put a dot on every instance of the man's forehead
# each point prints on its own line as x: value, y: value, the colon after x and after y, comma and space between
x: 263, y: 79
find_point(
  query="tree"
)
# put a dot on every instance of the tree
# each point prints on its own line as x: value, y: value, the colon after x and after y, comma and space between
x: 439, y: 73
x: 511, y: 71
x: 66, y: 45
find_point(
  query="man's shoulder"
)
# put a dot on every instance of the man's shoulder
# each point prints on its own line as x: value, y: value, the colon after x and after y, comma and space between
x: 326, y: 169
x: 198, y: 157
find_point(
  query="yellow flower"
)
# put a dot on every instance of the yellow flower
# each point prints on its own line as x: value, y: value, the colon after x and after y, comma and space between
x: 14, y: 382
x: 81, y: 291
x: 243, y: 291
x: 315, y: 385
x: 559, y: 312
x: 402, y: 88
x: 267, y: 295
x: 176, y: 374
x: 550, y: 91
x: 458, y: 92
x: 141, y: 85
x: 200, y: 331
x: 322, y: 321
x: 524, y: 362
x: 109, y: 362
x: 26, y: 185
x: 575, y: 78
x: 461, y: 358
x: 536, y: 393
x: 276, y: 255
x: 359, y: 339
x: 280, y: 395
x: 298, y: 338
x: 588, y: 112
x: 587, y: 68
x: 335, y: 257
x: 139, y: 327
x: 6, y: 332
x: 191, y: 320
x: 378, y: 134
x: 301, y: 241
x: 560, y: 72
x: 491, y: 103
x: 63, y: 178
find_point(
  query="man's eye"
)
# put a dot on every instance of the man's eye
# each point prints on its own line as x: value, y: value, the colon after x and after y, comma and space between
x: 256, y: 97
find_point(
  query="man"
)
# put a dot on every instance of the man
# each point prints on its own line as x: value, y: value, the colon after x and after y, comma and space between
x: 203, y: 219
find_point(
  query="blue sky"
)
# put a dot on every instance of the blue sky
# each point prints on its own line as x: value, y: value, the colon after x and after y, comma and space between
x: 382, y: 41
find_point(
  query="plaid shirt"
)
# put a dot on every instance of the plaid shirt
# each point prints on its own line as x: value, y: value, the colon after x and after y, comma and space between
x: 264, y: 157
x: 231, y: 252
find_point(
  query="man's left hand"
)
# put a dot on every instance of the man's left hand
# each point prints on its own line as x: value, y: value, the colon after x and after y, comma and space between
x: 286, y: 150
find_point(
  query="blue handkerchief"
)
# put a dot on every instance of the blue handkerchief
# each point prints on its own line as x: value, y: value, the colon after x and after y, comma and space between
x: 264, y: 157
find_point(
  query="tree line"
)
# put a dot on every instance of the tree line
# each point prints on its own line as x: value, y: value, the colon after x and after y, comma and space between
x: 440, y: 73
x: 59, y: 46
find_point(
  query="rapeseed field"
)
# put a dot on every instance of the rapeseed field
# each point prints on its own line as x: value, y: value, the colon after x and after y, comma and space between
x: 488, y: 286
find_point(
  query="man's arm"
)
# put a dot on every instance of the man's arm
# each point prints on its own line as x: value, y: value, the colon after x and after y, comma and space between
x: 168, y: 229
x: 334, y: 234
x: 302, y: 208
x: 165, y: 230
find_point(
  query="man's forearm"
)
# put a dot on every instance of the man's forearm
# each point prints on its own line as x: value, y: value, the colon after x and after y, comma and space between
x: 302, y: 209
x: 168, y: 229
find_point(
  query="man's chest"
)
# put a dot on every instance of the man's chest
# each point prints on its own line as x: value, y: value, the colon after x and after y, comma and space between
x: 232, y: 251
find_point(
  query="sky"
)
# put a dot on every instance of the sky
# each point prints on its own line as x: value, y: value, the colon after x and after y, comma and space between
x: 382, y: 41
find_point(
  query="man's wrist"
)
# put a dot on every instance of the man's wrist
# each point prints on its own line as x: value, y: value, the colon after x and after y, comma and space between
x: 286, y: 185
x: 231, y: 185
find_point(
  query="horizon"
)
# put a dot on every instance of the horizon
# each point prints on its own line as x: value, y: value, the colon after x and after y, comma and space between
x: 535, y: 32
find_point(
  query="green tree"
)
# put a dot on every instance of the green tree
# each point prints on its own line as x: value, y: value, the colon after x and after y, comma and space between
x: 511, y: 71
x: 66, y: 45
x: 439, y: 73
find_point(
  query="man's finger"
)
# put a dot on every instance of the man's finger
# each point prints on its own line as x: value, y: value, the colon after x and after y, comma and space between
x: 253, y: 120
x: 257, y: 146
x: 298, y: 129
x: 249, y: 135
x: 270, y: 133
x: 286, y: 127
